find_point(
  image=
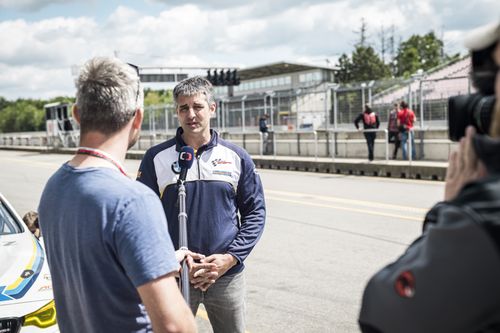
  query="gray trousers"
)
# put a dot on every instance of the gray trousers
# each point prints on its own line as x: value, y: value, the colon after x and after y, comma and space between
x: 224, y: 302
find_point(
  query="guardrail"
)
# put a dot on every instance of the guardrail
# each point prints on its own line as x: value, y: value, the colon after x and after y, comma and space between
x: 336, y: 131
x: 23, y: 139
x: 430, y: 145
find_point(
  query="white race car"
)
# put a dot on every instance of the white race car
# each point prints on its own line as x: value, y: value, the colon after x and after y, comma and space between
x: 26, y: 299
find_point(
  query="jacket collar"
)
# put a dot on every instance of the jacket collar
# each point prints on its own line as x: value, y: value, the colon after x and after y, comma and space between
x: 179, y: 142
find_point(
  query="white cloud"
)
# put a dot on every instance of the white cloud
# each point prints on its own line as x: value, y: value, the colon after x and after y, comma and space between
x: 30, y: 5
x: 44, y: 43
x: 39, y: 54
x: 33, y: 81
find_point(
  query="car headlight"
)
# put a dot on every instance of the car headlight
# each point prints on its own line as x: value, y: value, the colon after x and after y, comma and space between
x: 43, y: 317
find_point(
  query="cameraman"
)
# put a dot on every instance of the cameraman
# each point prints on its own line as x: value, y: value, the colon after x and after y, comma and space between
x: 448, y: 280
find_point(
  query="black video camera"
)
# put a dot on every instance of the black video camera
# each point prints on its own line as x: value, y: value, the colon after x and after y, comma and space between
x: 475, y: 109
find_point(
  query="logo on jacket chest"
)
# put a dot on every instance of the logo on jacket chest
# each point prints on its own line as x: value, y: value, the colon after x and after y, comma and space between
x: 222, y: 167
x: 219, y: 161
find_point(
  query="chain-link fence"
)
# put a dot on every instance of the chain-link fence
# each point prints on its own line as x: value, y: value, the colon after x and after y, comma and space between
x: 330, y: 106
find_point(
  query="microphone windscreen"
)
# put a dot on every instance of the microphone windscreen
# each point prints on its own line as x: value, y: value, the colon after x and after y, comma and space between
x: 186, y: 157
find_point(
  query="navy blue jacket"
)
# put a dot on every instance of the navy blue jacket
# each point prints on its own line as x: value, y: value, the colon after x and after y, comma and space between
x: 224, y: 196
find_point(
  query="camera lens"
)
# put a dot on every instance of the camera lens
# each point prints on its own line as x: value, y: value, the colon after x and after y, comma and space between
x: 475, y: 110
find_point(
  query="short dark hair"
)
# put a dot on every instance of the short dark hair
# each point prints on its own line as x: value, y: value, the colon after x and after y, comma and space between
x: 193, y: 86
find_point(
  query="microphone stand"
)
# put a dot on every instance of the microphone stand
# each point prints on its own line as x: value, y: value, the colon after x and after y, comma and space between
x: 183, y: 240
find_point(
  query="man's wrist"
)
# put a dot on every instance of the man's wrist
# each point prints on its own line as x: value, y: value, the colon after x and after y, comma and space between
x: 232, y: 259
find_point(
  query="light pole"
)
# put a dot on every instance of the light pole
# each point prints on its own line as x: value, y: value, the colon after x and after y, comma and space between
x: 271, y: 95
x: 243, y: 113
x: 363, y: 86
x: 394, y: 67
x: 297, y: 92
x: 419, y: 75
x: 332, y: 88
x: 370, y: 86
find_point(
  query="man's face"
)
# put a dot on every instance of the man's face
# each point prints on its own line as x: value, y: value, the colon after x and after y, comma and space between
x: 194, y: 113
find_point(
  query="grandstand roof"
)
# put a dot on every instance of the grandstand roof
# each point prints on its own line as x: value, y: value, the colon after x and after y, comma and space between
x: 276, y: 69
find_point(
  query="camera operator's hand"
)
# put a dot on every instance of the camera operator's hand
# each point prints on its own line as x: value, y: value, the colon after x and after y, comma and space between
x: 464, y: 166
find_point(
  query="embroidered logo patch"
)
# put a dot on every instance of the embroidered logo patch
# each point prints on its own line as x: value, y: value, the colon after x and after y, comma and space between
x: 219, y: 161
x: 405, y: 284
x: 222, y: 173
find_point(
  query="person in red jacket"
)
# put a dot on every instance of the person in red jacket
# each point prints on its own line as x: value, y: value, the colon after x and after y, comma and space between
x: 406, y: 119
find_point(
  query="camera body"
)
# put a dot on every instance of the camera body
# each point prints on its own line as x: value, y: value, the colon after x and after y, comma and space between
x: 475, y: 109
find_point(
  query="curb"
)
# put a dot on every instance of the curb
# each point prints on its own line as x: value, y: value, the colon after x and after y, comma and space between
x: 392, y: 169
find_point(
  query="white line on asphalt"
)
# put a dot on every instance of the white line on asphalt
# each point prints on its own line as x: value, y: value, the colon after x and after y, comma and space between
x: 349, y: 201
x: 356, y: 210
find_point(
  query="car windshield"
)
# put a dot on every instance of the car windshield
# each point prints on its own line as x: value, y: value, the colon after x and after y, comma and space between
x: 8, y: 224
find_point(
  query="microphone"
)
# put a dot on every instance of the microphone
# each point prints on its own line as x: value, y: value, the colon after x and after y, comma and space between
x: 186, y: 158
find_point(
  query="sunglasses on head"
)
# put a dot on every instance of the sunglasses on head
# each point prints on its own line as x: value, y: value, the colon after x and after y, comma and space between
x: 136, y: 68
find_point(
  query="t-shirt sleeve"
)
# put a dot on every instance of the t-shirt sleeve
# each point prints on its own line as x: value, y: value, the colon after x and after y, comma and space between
x: 147, y: 173
x: 143, y: 245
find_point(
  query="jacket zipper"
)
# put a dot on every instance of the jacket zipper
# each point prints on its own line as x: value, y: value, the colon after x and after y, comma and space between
x: 198, y: 164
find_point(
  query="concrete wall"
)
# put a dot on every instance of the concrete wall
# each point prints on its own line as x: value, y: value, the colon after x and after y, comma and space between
x: 431, y: 145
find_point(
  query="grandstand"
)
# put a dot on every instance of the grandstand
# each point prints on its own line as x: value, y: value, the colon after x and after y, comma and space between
x: 447, y: 80
x: 428, y: 93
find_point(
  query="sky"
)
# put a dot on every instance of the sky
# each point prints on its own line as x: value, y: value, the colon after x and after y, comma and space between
x: 43, y: 40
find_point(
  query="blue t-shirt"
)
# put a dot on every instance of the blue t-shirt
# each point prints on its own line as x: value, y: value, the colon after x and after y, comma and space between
x: 105, y: 235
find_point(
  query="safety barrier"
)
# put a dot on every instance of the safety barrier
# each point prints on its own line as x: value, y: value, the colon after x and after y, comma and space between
x: 430, y: 144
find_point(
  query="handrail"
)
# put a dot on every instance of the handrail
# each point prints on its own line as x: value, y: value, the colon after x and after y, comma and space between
x: 275, y: 140
x: 287, y: 143
x: 334, y: 131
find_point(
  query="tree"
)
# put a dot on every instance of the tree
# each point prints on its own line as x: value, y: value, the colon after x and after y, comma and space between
x: 3, y: 103
x: 419, y: 52
x: 22, y: 116
x: 367, y: 65
x: 156, y: 97
x: 362, y: 34
x: 345, y: 68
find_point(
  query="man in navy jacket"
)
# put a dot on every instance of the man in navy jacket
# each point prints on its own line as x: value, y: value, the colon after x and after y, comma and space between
x: 224, y: 202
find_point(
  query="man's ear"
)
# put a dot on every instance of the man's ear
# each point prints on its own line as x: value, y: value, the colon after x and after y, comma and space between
x: 76, y: 113
x: 137, y: 122
x: 213, y: 107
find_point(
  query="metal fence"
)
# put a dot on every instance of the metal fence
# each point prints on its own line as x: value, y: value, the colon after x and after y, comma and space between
x: 325, y: 106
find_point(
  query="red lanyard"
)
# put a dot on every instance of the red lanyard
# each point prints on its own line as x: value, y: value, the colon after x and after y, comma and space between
x: 100, y: 154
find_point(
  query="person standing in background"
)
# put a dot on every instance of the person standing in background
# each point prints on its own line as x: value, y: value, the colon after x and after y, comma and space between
x: 264, y: 129
x: 392, y: 128
x: 370, y: 123
x: 406, y: 119
x: 31, y: 221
